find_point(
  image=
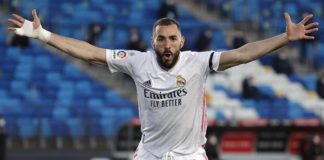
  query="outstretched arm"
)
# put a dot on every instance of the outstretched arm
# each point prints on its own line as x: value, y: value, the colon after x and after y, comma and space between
x: 258, y: 49
x: 76, y: 48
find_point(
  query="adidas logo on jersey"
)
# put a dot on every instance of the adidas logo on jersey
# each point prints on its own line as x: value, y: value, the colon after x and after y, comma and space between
x: 147, y: 83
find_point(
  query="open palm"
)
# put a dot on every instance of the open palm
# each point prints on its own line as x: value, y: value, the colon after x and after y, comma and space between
x: 300, y: 30
x: 19, y: 21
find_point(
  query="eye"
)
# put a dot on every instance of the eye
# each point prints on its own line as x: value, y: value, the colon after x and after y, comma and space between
x: 174, y: 38
x: 160, y: 39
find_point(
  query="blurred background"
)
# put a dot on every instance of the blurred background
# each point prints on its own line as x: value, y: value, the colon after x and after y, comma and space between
x: 53, y: 106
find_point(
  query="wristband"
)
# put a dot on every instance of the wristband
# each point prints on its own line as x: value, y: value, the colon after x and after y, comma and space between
x: 28, y: 30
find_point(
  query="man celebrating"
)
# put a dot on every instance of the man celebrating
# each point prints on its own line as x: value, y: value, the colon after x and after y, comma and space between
x: 170, y: 83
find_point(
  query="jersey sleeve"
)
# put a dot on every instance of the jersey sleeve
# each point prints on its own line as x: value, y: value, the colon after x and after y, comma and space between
x: 214, y: 60
x: 209, y: 59
x: 122, y: 60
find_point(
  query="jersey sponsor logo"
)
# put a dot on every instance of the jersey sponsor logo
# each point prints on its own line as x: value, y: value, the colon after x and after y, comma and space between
x: 174, y: 94
x: 168, y: 99
x: 180, y: 80
x: 119, y: 55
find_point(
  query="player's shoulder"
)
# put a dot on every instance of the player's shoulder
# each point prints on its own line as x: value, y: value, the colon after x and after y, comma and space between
x: 192, y: 54
x: 139, y: 53
x: 123, y: 54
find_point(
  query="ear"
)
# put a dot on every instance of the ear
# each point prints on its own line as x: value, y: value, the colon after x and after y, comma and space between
x: 152, y: 42
x: 182, y: 41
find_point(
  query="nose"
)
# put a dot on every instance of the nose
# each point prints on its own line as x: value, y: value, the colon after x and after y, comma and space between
x: 168, y: 44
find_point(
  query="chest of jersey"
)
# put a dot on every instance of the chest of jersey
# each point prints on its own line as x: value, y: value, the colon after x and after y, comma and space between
x: 157, y: 79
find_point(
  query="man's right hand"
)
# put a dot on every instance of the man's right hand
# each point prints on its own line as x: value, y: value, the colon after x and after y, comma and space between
x: 30, y: 29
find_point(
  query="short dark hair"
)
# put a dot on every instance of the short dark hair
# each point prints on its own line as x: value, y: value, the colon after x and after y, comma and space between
x: 165, y: 22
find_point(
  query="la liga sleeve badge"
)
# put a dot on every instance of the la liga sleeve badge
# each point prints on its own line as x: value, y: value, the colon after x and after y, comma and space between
x: 119, y: 54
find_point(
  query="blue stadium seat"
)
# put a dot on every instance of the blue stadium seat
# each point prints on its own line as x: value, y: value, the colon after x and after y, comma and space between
x: 13, y: 52
x: 95, y: 102
x: 61, y: 113
x: 267, y: 91
x: 77, y: 130
x: 309, y: 114
x: 147, y: 34
x: 309, y: 81
x: 23, y: 75
x: 11, y: 128
x: 250, y: 103
x: 66, y: 86
x: 219, y: 115
x: 42, y: 61
x: 295, y: 111
x: 60, y: 131
x: 218, y: 41
x: 113, y: 98
x: 152, y: 5
x: 76, y: 127
x: 121, y: 36
x: 108, y: 127
x: 45, y: 132
x: 279, y: 109
x: 103, y: 40
x: 263, y: 108
x: 292, y: 9
x: 237, y: 11
x: 18, y: 86
x: 64, y: 102
x: 108, y: 9
x: 94, y: 132
x: 2, y: 34
x: 84, y: 87
x: 107, y: 112
x: 124, y: 115
x: 71, y: 72
x: 27, y: 129
x: 87, y: 16
x: 319, y: 57
x: 3, y: 93
x: 10, y: 102
x: 97, y: 2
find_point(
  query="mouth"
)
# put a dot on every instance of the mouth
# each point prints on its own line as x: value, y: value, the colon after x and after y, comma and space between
x: 167, y: 56
x: 167, y: 59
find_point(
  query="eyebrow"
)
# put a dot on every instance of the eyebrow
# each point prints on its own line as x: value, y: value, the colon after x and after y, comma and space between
x: 172, y: 36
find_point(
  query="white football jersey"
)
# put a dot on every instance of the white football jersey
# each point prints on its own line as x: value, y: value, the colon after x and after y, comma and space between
x: 172, y: 107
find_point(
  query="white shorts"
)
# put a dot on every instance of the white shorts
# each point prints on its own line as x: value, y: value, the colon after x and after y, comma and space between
x: 142, y: 154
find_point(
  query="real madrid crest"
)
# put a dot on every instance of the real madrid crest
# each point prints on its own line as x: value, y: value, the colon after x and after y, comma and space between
x: 181, y: 81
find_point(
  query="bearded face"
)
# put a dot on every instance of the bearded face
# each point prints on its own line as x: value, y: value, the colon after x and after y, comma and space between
x: 167, y: 42
x: 167, y: 59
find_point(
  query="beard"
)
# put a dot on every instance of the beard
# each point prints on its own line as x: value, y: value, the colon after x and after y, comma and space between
x: 164, y: 63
